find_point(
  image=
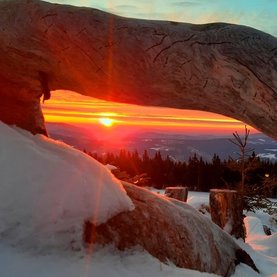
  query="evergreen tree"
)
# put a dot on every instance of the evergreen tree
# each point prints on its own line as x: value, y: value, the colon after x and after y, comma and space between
x: 196, y: 174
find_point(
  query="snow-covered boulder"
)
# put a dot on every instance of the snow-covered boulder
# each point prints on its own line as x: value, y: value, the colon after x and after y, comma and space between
x: 48, y: 189
x: 170, y: 230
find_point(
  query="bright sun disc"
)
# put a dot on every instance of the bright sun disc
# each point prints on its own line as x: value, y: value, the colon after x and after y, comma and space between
x: 106, y: 121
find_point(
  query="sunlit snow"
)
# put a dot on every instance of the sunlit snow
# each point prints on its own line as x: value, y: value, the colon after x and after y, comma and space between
x: 48, y: 189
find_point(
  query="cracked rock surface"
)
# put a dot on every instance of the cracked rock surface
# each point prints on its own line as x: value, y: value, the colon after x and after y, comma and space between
x: 222, y: 68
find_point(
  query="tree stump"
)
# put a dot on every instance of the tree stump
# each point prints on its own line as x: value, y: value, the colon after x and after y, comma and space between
x: 179, y: 193
x: 227, y: 211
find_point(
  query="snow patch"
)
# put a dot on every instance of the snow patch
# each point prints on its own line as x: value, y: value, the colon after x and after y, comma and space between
x: 272, y: 150
x: 267, y: 156
x: 110, y: 167
x: 256, y: 237
x: 198, y: 199
x: 156, y: 148
x: 261, y: 248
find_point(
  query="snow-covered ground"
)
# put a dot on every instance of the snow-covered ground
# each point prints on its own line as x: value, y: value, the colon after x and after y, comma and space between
x: 105, y: 262
x: 261, y: 248
x: 47, y: 189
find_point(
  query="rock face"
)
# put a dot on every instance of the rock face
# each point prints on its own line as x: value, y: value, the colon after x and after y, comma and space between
x: 25, y: 113
x: 222, y: 68
x: 171, y: 231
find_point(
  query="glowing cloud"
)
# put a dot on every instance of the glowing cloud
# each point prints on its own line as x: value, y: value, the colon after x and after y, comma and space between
x: 72, y: 108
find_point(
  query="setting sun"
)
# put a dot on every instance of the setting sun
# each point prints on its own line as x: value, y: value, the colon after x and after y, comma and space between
x: 107, y: 122
x: 72, y: 108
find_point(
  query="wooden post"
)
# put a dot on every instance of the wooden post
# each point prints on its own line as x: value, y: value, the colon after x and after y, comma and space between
x: 227, y: 211
x: 179, y: 193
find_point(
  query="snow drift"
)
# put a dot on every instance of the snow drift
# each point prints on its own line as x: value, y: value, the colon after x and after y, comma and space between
x: 258, y: 240
x: 48, y: 189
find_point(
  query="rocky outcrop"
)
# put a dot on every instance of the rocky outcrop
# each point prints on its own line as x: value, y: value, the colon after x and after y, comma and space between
x: 171, y: 231
x: 222, y: 68
x: 25, y: 113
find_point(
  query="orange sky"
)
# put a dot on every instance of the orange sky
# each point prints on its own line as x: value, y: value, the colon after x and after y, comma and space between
x: 72, y: 108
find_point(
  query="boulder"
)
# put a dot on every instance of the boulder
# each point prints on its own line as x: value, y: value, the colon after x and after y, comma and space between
x: 222, y: 68
x: 171, y: 231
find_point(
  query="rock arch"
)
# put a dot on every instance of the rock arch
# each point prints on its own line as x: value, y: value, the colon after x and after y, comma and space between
x: 222, y: 68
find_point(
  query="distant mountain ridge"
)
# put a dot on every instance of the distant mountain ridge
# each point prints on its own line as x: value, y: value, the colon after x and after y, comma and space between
x: 177, y: 146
